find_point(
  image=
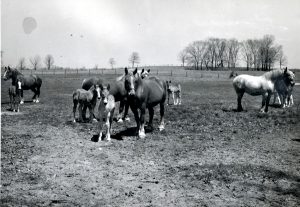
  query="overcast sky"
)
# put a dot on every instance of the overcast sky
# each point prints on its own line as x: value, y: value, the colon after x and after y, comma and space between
x: 88, y: 32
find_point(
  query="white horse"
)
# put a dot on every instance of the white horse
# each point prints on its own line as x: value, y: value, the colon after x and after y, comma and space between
x: 263, y: 85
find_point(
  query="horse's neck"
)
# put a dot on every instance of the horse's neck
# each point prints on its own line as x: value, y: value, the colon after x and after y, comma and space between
x: 16, y: 75
x: 273, y: 75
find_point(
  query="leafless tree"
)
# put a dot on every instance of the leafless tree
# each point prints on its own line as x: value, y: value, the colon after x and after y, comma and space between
x: 134, y: 59
x: 246, y: 53
x: 49, y: 61
x: 22, y: 63
x: 96, y: 67
x: 182, y: 57
x: 112, y: 62
x: 282, y: 59
x: 196, y: 53
x: 35, y: 61
x: 231, y: 52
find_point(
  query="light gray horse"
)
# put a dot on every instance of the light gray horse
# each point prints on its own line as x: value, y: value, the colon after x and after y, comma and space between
x: 175, y: 90
x: 106, y: 111
x: 263, y: 85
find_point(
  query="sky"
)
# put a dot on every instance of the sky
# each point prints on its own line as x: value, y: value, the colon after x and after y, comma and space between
x: 85, y: 33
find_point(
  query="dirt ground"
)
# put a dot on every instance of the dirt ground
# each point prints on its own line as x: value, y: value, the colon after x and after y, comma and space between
x: 208, y: 155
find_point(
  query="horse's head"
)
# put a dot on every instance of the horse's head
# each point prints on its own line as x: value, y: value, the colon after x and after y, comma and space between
x: 7, y: 73
x: 95, y: 89
x: 143, y: 73
x: 289, y: 77
x: 130, y: 78
x: 104, y: 93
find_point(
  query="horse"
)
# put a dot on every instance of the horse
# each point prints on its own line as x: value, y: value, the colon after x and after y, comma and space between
x: 175, y: 90
x: 283, y: 93
x: 106, y: 111
x: 116, y: 89
x: 142, y: 94
x: 263, y: 85
x: 232, y: 74
x: 143, y: 73
x: 29, y: 82
x: 14, y: 93
x: 85, y: 98
x: 87, y: 83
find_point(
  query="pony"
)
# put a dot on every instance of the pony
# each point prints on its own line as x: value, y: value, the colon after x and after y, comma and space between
x: 175, y: 90
x: 29, y: 82
x: 87, y: 83
x: 143, y: 73
x: 263, y: 85
x: 106, y: 111
x: 116, y: 89
x: 14, y: 93
x: 284, y: 95
x: 88, y: 98
x: 145, y: 94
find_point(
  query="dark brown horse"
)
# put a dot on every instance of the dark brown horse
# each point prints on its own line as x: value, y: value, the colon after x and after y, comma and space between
x: 145, y: 94
x: 29, y: 82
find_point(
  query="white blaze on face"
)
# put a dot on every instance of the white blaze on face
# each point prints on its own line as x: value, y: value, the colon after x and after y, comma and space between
x: 98, y: 91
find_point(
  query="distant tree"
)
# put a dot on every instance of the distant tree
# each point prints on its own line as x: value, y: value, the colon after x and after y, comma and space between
x: 35, y: 62
x: 49, y: 61
x: 134, y: 59
x: 112, y: 62
x: 282, y: 59
x: 22, y: 63
x: 182, y: 57
x: 247, y: 53
x: 231, y: 52
x: 196, y: 52
x: 96, y: 67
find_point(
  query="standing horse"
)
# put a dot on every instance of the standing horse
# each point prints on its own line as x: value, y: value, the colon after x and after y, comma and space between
x: 85, y: 98
x: 14, y: 93
x: 29, y: 82
x: 283, y: 93
x: 142, y: 94
x: 263, y: 85
x: 106, y: 111
x: 175, y: 90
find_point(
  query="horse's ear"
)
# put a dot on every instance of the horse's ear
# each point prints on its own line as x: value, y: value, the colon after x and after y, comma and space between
x: 8, y: 67
x: 108, y: 87
x: 135, y: 71
x: 285, y: 70
x: 101, y: 87
x: 126, y: 71
x: 148, y: 70
x: 143, y: 70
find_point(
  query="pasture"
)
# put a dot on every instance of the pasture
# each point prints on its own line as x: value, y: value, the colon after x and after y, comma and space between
x: 208, y: 154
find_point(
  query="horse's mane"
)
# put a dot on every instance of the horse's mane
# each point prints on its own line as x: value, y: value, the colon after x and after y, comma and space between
x: 273, y: 74
x: 15, y: 72
x: 120, y: 78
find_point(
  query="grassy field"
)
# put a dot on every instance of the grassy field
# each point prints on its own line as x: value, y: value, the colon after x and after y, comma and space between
x: 208, y: 155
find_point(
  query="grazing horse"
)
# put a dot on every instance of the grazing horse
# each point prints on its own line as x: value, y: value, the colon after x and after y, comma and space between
x: 142, y: 94
x: 14, y: 93
x: 32, y: 82
x: 175, y: 90
x: 263, y: 85
x: 283, y: 93
x: 88, y: 98
x: 106, y: 111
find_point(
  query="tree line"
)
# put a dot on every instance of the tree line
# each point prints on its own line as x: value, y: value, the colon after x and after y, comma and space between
x: 213, y: 53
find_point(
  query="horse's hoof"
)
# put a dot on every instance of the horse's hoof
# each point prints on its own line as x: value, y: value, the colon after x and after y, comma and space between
x: 95, y: 120
x: 33, y: 100
x: 142, y: 135
x: 120, y: 121
x: 37, y: 101
x: 74, y: 121
x: 22, y: 102
x: 161, y: 128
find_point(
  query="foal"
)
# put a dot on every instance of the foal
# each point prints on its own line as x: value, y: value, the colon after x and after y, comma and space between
x: 175, y: 90
x: 14, y: 93
x: 85, y: 98
x: 106, y: 111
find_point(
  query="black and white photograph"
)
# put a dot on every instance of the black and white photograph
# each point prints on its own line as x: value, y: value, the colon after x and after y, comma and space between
x: 150, y: 103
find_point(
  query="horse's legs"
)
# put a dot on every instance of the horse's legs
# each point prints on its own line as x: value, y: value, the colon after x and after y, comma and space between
x: 173, y: 95
x: 101, y: 115
x: 268, y: 101
x: 142, y: 122
x: 168, y: 97
x: 136, y: 115
x: 239, y: 100
x: 121, y: 108
x: 151, y: 114
x: 11, y: 102
x: 34, y: 95
x: 275, y: 96
x: 81, y: 105
x: 84, y: 111
x: 22, y: 99
x: 38, y: 92
x: 126, y: 112
x: 91, y: 109
x: 162, y: 114
x: 179, y: 95
x: 75, y: 102
x: 109, y: 120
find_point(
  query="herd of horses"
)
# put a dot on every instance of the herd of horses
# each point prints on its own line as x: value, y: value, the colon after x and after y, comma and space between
x: 136, y: 90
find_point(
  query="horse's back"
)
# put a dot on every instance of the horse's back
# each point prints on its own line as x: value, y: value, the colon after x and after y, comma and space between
x: 117, y: 89
x: 88, y: 82
x: 30, y: 81
x: 155, y: 90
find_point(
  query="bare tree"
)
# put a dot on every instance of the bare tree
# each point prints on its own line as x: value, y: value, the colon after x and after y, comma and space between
x: 35, y: 62
x: 134, y: 59
x: 182, y: 57
x: 196, y: 52
x: 49, y: 61
x: 112, y: 62
x: 231, y: 52
x: 246, y: 53
x: 282, y: 59
x: 22, y: 63
x: 96, y: 67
